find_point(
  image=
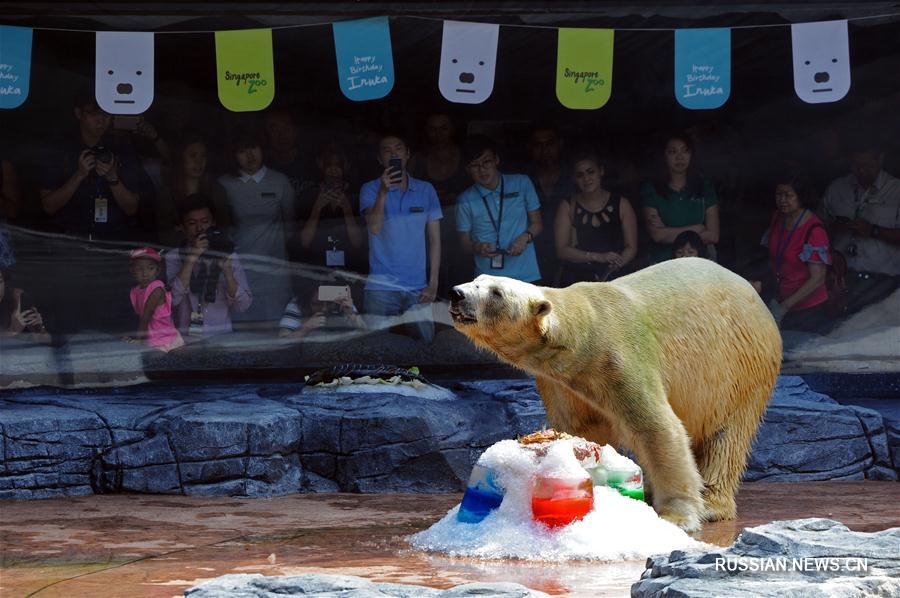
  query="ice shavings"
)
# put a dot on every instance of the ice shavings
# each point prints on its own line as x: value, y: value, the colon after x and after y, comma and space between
x: 618, y: 528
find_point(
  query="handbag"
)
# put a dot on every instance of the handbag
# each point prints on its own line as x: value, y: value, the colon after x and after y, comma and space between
x: 835, y: 279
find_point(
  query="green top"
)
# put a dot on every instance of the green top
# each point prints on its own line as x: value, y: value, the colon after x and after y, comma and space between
x: 677, y: 209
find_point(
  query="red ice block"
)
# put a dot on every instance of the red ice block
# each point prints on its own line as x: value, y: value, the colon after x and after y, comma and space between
x: 557, y: 502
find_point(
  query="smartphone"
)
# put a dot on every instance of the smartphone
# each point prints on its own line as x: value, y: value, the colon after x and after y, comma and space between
x: 333, y: 293
x: 26, y: 302
x: 126, y: 123
x: 396, y: 165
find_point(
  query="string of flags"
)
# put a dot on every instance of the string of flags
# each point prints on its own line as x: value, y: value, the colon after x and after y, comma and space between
x: 245, y: 65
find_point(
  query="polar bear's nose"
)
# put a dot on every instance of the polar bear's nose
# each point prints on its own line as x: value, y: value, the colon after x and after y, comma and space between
x: 456, y: 295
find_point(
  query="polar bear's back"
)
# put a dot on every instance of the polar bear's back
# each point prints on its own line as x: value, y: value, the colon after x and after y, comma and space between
x: 718, y: 342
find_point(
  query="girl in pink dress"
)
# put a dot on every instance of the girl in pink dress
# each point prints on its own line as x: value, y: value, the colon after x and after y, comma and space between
x: 152, y: 302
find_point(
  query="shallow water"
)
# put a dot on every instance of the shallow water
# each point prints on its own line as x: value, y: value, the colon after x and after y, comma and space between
x: 142, y: 545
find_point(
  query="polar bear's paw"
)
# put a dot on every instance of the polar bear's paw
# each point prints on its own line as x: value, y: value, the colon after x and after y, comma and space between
x: 682, y: 513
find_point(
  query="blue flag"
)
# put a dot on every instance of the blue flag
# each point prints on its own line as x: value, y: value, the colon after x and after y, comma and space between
x: 15, y: 65
x: 702, y: 67
x: 365, y: 61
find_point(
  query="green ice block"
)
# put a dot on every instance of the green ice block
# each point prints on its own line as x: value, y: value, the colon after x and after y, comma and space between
x: 635, y: 493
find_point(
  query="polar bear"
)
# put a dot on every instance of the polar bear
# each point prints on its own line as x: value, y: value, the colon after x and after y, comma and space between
x: 676, y: 362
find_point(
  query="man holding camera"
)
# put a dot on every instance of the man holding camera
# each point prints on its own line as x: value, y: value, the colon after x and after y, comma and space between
x: 206, y: 277
x: 403, y: 219
x: 499, y: 216
x: 862, y: 210
x: 90, y: 192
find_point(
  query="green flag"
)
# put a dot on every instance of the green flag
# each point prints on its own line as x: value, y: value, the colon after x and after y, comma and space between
x: 584, y: 68
x: 245, y: 69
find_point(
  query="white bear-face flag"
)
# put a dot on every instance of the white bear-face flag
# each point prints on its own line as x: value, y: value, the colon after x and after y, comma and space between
x: 123, y: 76
x: 821, y: 61
x: 468, y: 61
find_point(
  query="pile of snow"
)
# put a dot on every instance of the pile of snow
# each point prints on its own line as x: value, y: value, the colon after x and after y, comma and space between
x: 873, y: 333
x: 618, y: 528
x: 613, y: 460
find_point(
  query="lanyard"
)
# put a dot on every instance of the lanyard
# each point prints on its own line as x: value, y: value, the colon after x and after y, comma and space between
x: 93, y: 205
x: 861, y: 200
x: 779, y: 253
x: 201, y: 296
x: 487, y: 208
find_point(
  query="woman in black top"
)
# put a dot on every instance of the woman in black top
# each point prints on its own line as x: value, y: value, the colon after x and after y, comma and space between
x: 331, y: 235
x: 596, y: 230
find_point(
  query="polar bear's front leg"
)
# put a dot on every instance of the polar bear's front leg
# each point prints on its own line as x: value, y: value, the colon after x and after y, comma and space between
x: 662, y: 447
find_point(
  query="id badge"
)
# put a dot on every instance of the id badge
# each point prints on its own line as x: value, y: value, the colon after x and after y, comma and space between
x: 101, y: 209
x: 497, y: 262
x: 196, y: 326
x: 334, y: 258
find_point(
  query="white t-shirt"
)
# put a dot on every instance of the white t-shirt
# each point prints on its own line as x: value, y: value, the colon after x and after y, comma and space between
x: 879, y: 205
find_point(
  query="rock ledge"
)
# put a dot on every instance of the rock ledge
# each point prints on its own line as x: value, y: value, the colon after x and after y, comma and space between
x: 783, y: 559
x: 261, y: 586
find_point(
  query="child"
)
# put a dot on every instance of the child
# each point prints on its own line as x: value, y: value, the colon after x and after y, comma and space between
x: 18, y: 315
x: 688, y: 244
x: 292, y: 324
x: 152, y: 302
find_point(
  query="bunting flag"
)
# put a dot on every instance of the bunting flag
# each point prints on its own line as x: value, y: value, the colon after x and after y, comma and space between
x: 821, y: 61
x: 365, y: 61
x: 584, y: 68
x: 702, y: 67
x: 15, y: 65
x: 123, y: 72
x: 468, y: 61
x: 124, y: 69
x: 245, y: 69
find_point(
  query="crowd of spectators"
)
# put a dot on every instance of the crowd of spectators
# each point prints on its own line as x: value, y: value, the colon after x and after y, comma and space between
x: 282, y: 233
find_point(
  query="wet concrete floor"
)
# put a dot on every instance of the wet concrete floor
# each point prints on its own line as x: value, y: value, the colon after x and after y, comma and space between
x: 152, y: 545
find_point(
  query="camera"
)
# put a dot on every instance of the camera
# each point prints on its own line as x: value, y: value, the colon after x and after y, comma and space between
x: 330, y: 295
x: 219, y: 241
x: 102, y: 154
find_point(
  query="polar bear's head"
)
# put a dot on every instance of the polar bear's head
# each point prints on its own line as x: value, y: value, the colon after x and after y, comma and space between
x: 493, y: 309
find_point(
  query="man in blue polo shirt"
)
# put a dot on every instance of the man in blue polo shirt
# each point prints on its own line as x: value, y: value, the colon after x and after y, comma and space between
x: 401, y: 213
x: 499, y: 216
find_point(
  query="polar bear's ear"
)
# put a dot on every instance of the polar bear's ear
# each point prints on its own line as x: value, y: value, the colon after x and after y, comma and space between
x: 540, y: 307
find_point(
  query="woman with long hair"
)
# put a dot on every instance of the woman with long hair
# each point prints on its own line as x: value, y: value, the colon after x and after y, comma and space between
x: 189, y: 175
x: 679, y: 199
x: 596, y: 229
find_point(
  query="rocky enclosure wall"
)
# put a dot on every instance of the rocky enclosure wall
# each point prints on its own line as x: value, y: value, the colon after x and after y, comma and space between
x: 246, y: 440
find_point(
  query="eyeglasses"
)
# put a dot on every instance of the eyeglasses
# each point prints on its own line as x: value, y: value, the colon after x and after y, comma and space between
x: 486, y: 164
